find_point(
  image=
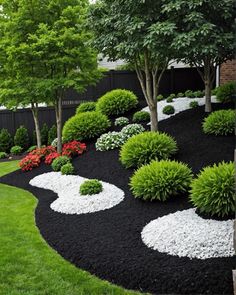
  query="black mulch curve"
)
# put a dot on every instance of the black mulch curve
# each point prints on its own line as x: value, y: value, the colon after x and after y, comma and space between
x: 108, y: 243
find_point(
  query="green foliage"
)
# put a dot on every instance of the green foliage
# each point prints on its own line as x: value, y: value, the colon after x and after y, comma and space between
x: 214, y: 91
x: 91, y: 187
x: 225, y: 92
x: 86, y: 107
x: 30, y: 149
x: 16, y: 150
x: 85, y: 126
x: 21, y: 138
x: 3, y: 155
x: 121, y: 121
x: 189, y: 94
x: 67, y: 169
x: 5, y: 140
x: 52, y: 134
x: 180, y: 94
x: 169, y: 99
x: 141, y: 116
x: 131, y: 129
x: 160, y: 97
x: 142, y: 148
x: 198, y: 93
x: 44, y: 134
x: 161, y: 180
x: 213, y: 191
x: 220, y: 122
x: 193, y: 104
x: 110, y: 141
x: 168, y: 110
x: 59, y: 162
x: 117, y: 102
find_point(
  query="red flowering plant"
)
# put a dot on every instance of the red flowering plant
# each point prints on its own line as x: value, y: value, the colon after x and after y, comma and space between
x: 73, y: 148
x: 29, y: 162
x: 43, y: 152
x: 49, y: 158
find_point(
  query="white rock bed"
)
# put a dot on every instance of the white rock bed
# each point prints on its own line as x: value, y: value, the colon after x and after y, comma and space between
x: 180, y: 104
x: 185, y: 234
x: 69, y: 199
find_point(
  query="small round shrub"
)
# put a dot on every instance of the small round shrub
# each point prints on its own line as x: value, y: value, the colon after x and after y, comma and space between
x: 180, y: 94
x: 5, y: 141
x: 21, y: 138
x: 59, y: 162
x: 168, y: 110
x: 44, y: 134
x: 3, y: 155
x: 145, y: 147
x: 30, y: 149
x: 198, y: 93
x: 225, y: 92
x: 189, y: 94
x: 193, y: 104
x: 220, y: 122
x: 169, y: 99
x: 117, y: 102
x: 52, y: 134
x: 84, y: 107
x: 131, y: 129
x: 16, y: 150
x: 161, y: 180
x: 109, y: 141
x: 67, y: 169
x: 121, y: 121
x: 160, y: 97
x: 141, y: 116
x: 85, y: 126
x: 91, y: 187
x: 213, y: 191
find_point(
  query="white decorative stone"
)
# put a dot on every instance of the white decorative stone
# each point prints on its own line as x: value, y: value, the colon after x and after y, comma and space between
x: 69, y: 199
x: 185, y: 234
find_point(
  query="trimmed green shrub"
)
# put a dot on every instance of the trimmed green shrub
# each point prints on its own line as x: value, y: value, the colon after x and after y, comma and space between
x: 141, y: 116
x: 44, y: 134
x: 67, y: 169
x: 52, y: 134
x: 85, y: 126
x: 84, y: 107
x: 189, y: 94
x: 220, y: 122
x: 168, y: 110
x: 131, y: 129
x: 121, y: 121
x: 193, y: 104
x: 30, y: 149
x: 225, y: 92
x: 161, y: 180
x: 117, y: 102
x: 109, y: 141
x: 198, y: 93
x: 16, y: 150
x: 3, y: 155
x: 5, y: 141
x: 59, y: 162
x: 180, y: 94
x: 160, y: 97
x: 145, y: 147
x: 91, y: 187
x: 213, y: 191
x: 21, y: 138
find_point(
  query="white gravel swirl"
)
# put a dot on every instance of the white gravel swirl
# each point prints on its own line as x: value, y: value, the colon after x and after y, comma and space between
x: 69, y: 199
x: 185, y: 234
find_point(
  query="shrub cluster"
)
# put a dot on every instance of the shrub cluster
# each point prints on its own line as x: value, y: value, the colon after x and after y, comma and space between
x: 141, y: 116
x: 189, y: 94
x: 225, y: 92
x: 160, y: 180
x: 160, y: 97
x: 220, y: 122
x: 16, y: 150
x: 59, y: 162
x: 86, y: 107
x: 5, y: 141
x: 145, y: 147
x: 168, y: 110
x: 85, y: 126
x: 131, y: 129
x: 117, y: 102
x: 21, y: 138
x: 180, y: 94
x: 121, y: 121
x: 91, y: 187
x: 193, y: 104
x: 170, y: 98
x: 198, y: 93
x: 3, y: 155
x: 213, y: 191
x: 67, y: 169
x: 73, y: 148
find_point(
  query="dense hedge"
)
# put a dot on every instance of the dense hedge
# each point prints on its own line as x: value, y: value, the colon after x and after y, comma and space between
x: 86, y: 107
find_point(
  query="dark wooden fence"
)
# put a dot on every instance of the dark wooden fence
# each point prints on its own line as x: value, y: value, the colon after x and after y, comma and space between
x: 174, y: 81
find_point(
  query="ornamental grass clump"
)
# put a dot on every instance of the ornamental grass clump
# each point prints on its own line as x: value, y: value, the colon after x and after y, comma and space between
x: 213, y: 191
x: 145, y: 147
x: 168, y: 110
x: 161, y: 180
x: 121, y: 121
x: 86, y: 107
x: 67, y: 169
x: 91, y: 187
x: 141, y: 116
x: 220, y: 122
x: 109, y: 141
x: 59, y: 162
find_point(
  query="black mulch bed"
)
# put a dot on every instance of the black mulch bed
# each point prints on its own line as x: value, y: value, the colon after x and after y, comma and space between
x: 108, y: 243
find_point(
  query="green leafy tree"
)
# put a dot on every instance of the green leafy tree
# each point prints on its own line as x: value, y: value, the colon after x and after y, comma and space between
x: 137, y: 32
x: 205, y: 35
x: 21, y: 138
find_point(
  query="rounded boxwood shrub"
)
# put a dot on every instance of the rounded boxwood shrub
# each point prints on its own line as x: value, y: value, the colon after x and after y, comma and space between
x: 3, y: 155
x: 21, y: 138
x: 193, y: 104
x: 117, y: 102
x: 225, y: 92
x: 161, y: 180
x: 180, y: 94
x: 67, y: 169
x: 141, y: 116
x: 59, y: 162
x: 85, y: 126
x: 142, y: 148
x: 5, y: 141
x: 198, y: 93
x: 121, y: 121
x: 189, y: 94
x: 160, y: 97
x: 52, y: 134
x: 91, y: 187
x: 213, y: 191
x: 220, y: 122
x: 168, y: 110
x: 16, y: 150
x: 86, y: 107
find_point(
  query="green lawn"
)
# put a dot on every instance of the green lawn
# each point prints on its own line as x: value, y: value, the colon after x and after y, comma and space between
x: 28, y: 266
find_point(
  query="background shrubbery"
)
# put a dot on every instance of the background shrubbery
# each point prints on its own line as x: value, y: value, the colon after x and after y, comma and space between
x: 21, y: 138
x: 5, y: 141
x: 225, y: 92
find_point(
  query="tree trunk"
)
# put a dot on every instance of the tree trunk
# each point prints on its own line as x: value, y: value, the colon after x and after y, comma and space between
x: 58, y: 111
x: 208, y: 107
x: 154, y: 119
x: 34, y: 109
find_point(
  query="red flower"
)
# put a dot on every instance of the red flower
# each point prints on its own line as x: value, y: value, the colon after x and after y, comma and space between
x: 49, y: 158
x: 43, y: 152
x: 73, y: 148
x: 29, y: 162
